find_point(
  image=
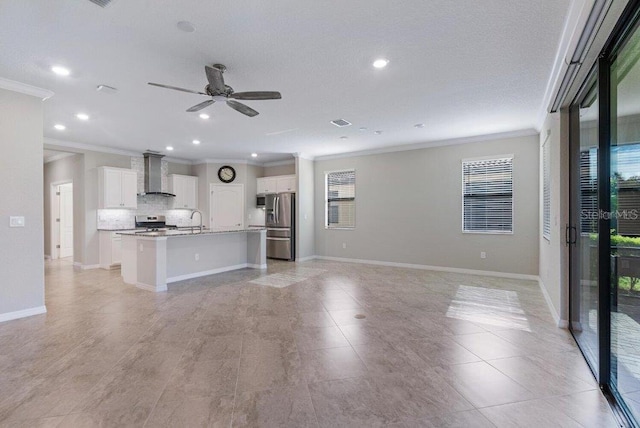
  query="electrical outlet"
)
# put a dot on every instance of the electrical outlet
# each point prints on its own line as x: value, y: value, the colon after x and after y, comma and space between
x: 16, y: 221
x: 197, y: 257
x: 344, y: 245
x: 483, y: 255
x: 249, y: 216
x: 141, y: 248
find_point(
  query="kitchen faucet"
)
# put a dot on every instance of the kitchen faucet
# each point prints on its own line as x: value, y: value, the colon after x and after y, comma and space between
x: 192, y: 214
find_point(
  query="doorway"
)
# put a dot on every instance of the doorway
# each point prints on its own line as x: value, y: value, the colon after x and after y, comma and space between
x: 61, y: 220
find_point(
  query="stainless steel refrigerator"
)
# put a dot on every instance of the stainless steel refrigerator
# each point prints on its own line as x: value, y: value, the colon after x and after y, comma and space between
x: 280, y: 221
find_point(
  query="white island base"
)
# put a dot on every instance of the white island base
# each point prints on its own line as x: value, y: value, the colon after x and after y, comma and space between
x: 152, y: 260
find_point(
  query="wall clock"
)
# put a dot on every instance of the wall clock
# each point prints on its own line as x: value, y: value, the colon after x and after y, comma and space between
x: 226, y: 174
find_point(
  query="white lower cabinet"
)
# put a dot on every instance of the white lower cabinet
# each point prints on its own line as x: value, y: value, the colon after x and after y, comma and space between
x: 110, y: 249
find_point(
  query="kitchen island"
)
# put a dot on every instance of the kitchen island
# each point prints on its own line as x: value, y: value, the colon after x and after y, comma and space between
x: 153, y: 259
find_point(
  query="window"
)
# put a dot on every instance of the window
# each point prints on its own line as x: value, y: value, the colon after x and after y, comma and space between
x: 546, y: 190
x: 341, y: 199
x: 487, y: 189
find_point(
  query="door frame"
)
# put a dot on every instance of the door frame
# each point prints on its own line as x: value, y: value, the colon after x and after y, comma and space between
x: 54, y: 209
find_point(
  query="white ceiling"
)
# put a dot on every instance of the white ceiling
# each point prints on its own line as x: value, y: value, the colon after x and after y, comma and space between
x: 463, y: 68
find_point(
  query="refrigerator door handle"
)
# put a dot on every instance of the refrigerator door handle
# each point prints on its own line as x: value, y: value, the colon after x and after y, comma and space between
x: 269, y: 238
x: 277, y: 209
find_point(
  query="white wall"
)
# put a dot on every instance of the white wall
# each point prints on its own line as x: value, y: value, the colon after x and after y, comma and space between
x: 305, y: 210
x: 288, y: 169
x: 554, y: 276
x: 409, y: 209
x: 21, y: 249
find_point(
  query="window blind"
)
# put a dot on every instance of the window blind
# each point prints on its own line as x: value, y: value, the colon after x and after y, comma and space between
x: 546, y: 191
x: 488, y: 195
x: 341, y: 199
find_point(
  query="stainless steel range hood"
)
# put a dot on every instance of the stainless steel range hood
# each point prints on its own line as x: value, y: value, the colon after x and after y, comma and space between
x: 153, y: 175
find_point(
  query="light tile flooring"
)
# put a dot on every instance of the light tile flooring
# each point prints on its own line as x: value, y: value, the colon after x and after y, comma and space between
x: 284, y: 348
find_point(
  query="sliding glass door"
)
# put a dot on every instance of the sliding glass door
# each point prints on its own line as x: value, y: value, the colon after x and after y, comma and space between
x: 624, y: 251
x: 583, y: 235
x: 604, y: 231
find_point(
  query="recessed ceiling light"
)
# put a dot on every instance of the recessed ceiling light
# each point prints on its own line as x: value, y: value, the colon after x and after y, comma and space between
x: 60, y: 127
x: 186, y: 26
x: 169, y: 148
x: 204, y: 116
x: 377, y: 132
x: 419, y: 125
x: 362, y: 128
x: 60, y: 71
x: 254, y: 155
x: 196, y: 142
x: 344, y: 137
x: 380, y: 63
x: 82, y: 116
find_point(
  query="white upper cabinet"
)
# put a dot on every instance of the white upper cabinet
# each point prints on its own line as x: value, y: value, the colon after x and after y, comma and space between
x: 266, y: 185
x: 185, y: 187
x: 117, y: 188
x: 279, y: 184
x: 286, y: 183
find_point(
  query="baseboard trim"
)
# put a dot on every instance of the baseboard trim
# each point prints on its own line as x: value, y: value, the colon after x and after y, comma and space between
x: 80, y: 266
x: 434, y: 268
x: 23, y: 313
x: 556, y: 317
x: 253, y: 266
x: 306, y: 259
x: 149, y: 287
x: 207, y: 272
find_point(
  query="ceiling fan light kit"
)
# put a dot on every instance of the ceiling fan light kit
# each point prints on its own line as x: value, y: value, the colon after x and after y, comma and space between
x: 219, y: 91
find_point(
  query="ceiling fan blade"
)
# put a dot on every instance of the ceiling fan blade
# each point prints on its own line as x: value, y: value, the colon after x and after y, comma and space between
x: 216, y: 81
x: 258, y: 95
x: 200, y: 106
x: 175, y: 88
x: 244, y: 109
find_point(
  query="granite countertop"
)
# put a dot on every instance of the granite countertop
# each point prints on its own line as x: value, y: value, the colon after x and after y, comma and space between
x: 187, y: 232
x: 117, y: 230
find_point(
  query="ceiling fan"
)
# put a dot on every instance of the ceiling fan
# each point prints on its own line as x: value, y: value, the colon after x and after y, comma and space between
x: 218, y: 91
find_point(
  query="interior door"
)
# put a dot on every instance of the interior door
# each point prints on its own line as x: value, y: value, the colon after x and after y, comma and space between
x: 66, y: 219
x: 227, y: 206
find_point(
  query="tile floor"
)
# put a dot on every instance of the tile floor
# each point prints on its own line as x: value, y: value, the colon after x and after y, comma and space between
x: 284, y: 348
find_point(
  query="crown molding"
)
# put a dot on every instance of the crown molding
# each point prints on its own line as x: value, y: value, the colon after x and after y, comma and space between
x: 176, y: 160
x: 279, y: 163
x: 303, y: 156
x: 23, y: 88
x: 426, y: 145
x: 82, y: 147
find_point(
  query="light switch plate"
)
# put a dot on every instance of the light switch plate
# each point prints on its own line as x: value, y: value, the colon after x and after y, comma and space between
x: 16, y: 221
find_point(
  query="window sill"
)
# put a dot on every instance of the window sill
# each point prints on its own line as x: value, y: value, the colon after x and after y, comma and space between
x: 492, y: 232
x: 339, y: 228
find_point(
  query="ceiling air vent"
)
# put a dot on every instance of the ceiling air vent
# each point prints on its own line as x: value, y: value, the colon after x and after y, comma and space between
x: 101, y: 3
x: 340, y: 123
